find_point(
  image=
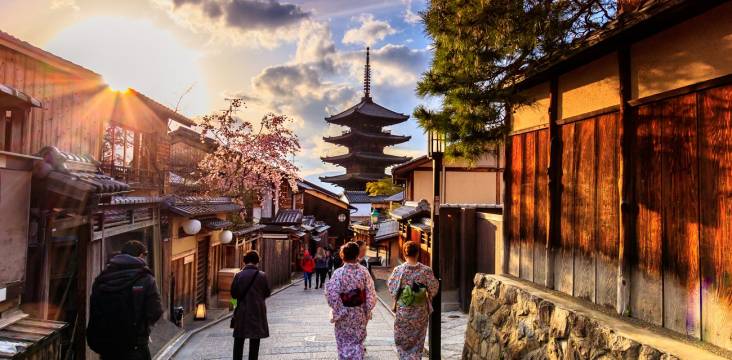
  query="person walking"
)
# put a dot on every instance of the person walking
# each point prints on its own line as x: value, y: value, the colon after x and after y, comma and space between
x: 412, y: 286
x: 321, y: 267
x: 351, y: 297
x: 308, y: 266
x: 124, y: 304
x: 250, y: 289
x: 331, y: 263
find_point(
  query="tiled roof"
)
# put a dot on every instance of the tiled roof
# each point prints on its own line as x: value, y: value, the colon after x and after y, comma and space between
x: 199, y: 206
x: 249, y: 230
x: 411, y: 211
x: 128, y: 200
x: 14, y: 96
x: 387, y: 229
x: 216, y: 223
x: 371, y: 109
x: 78, y: 172
x: 363, y: 197
x: 288, y: 216
x: 355, y: 135
x: 23, y: 338
x: 398, y: 197
x: 364, y: 155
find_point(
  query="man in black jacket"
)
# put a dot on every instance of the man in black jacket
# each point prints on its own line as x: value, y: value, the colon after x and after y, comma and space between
x: 124, y: 304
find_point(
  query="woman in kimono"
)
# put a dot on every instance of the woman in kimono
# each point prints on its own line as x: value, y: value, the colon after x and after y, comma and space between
x: 412, y: 286
x: 351, y: 296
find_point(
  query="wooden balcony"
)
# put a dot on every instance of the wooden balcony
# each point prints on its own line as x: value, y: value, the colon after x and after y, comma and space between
x: 135, y: 177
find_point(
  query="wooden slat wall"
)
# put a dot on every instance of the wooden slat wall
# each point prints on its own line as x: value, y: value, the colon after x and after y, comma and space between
x: 584, y: 209
x: 715, y: 164
x: 184, y: 284
x: 564, y: 261
x: 70, y: 117
x: 515, y: 186
x: 680, y: 215
x: 608, y: 212
x: 541, y: 201
x: 526, y: 231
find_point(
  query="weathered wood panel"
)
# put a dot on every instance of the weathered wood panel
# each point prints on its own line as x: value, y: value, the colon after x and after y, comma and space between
x: 515, y: 186
x: 584, y: 209
x: 608, y: 209
x: 564, y: 261
x: 646, y: 281
x: 527, y: 219
x: 541, y: 193
x: 715, y: 165
x: 680, y: 185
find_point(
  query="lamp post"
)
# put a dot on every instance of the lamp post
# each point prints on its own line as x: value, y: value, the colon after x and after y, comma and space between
x: 435, y: 151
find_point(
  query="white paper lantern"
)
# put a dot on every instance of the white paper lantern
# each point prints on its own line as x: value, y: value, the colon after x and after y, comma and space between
x: 191, y: 226
x: 226, y: 237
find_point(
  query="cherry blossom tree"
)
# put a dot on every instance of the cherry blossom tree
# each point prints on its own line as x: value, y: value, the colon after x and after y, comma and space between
x: 252, y: 159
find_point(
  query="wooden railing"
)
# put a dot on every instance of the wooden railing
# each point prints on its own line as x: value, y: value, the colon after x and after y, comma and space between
x: 137, y: 178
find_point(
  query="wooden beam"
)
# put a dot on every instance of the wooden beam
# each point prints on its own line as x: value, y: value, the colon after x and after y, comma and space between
x: 626, y: 183
x: 554, y: 182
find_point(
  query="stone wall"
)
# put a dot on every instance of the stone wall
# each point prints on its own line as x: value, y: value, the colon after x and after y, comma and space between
x: 513, y: 320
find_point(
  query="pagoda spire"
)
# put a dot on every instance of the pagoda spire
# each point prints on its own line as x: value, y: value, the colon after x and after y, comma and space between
x: 367, y: 77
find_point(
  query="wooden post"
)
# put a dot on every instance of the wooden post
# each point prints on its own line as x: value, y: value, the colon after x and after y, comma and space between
x: 82, y: 295
x: 507, y: 178
x: 626, y: 183
x: 555, y: 182
x: 468, y: 254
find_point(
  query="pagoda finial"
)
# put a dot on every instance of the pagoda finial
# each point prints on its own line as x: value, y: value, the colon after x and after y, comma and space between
x: 367, y: 77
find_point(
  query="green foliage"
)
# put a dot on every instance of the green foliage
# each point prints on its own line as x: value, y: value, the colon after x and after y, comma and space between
x: 383, y: 187
x: 482, y: 48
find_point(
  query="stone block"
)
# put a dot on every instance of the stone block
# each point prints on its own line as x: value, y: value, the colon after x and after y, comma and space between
x: 559, y: 323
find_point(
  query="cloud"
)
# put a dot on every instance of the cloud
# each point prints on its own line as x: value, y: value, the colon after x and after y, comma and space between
x: 410, y: 17
x: 265, y: 23
x: 391, y: 65
x: 64, y: 4
x: 370, y: 31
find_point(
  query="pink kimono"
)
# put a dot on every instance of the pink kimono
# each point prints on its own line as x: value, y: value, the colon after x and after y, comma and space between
x: 410, y: 325
x: 350, y: 322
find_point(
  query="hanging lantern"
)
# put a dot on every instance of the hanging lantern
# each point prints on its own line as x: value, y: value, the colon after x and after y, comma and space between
x: 226, y: 237
x: 191, y: 226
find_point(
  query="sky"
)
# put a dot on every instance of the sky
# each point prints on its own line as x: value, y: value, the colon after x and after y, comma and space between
x: 300, y: 58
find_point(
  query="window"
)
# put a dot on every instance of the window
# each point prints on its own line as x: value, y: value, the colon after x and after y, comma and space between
x: 129, y: 155
x: 11, y: 129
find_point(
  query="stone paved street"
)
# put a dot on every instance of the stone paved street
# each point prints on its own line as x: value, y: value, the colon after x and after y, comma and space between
x: 299, y: 329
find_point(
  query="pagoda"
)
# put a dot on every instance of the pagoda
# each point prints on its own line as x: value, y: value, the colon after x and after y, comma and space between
x: 365, y: 140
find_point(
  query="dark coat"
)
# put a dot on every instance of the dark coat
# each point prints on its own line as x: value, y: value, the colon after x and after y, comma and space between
x: 250, y: 316
x: 122, y: 272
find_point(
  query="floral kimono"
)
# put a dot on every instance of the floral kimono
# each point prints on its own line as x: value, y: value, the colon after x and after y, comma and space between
x: 410, y: 325
x: 350, y: 322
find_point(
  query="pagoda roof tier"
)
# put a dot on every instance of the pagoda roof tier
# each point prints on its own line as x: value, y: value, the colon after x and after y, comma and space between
x: 367, y: 111
x: 357, y: 135
x: 368, y: 156
x: 354, y: 177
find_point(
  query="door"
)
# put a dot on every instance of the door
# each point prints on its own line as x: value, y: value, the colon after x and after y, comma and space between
x: 202, y: 271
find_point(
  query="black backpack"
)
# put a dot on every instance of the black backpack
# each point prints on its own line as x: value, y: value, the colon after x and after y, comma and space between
x: 113, y: 318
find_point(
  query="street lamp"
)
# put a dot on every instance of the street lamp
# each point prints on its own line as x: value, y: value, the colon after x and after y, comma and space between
x: 435, y: 150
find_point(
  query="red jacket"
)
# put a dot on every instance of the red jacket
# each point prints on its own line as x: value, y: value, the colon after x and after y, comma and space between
x: 307, y: 263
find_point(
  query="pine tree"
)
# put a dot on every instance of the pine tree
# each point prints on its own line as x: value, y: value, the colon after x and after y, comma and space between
x: 482, y: 48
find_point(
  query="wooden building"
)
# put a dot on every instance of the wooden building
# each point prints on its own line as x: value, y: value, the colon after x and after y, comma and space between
x: 323, y: 205
x: 103, y: 166
x: 195, y: 259
x: 634, y: 211
x: 484, y: 178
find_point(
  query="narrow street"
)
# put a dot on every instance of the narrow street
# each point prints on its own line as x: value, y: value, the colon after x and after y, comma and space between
x: 299, y: 329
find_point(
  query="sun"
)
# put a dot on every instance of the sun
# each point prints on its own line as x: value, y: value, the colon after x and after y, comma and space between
x: 137, y: 54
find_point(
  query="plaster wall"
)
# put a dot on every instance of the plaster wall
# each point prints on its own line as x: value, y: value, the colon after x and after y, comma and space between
x: 536, y: 112
x: 696, y: 50
x: 588, y: 88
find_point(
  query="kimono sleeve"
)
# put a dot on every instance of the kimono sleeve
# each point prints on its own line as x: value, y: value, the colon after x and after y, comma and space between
x: 431, y: 281
x: 394, y: 281
x: 370, y: 292
x: 333, y: 296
